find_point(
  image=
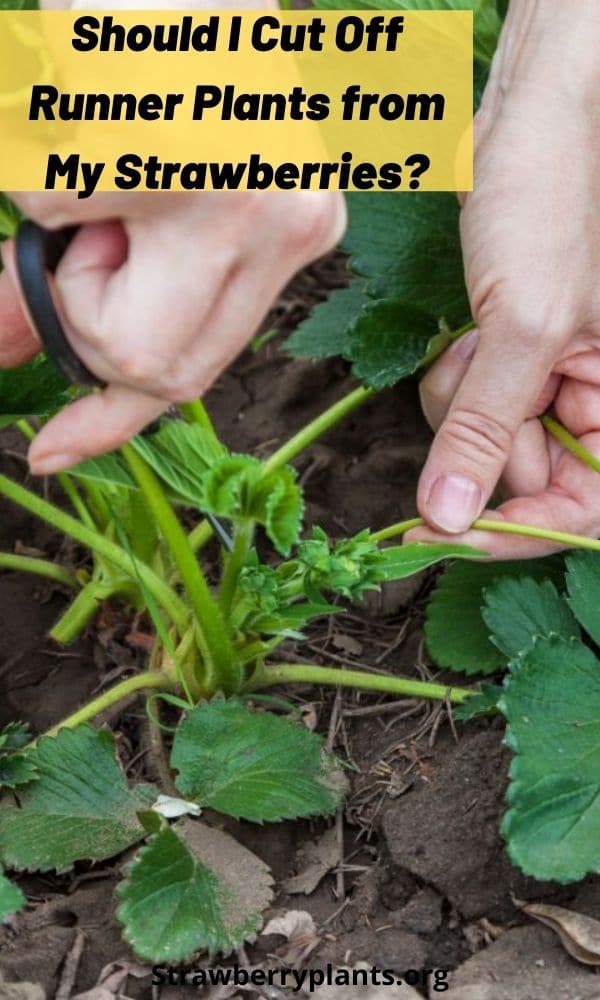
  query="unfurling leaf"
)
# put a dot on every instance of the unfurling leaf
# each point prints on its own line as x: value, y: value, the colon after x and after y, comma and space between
x: 253, y: 765
x: 181, y: 454
x: 192, y: 888
x: 580, y: 935
x: 79, y: 807
x: 236, y: 488
x: 11, y: 899
x: 552, y: 704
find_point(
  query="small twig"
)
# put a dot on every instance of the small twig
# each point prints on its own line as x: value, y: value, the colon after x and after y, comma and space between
x: 385, y: 708
x: 340, y: 881
x: 334, y: 721
x: 69, y: 973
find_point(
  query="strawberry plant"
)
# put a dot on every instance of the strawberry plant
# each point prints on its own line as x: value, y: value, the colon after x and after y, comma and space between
x: 64, y: 796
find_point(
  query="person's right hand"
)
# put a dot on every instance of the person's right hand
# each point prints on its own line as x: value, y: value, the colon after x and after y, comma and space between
x: 531, y: 244
x: 159, y: 292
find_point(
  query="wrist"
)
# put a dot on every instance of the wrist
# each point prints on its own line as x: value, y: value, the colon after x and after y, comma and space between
x: 554, y: 44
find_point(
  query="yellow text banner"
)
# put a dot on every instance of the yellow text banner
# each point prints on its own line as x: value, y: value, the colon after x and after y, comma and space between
x: 222, y: 100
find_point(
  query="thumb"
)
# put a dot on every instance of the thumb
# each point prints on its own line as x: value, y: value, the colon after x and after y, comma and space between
x: 472, y: 446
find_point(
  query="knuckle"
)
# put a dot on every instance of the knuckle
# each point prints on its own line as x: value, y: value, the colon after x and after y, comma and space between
x: 530, y: 320
x: 474, y: 435
x: 317, y: 223
x: 50, y: 209
x: 138, y: 367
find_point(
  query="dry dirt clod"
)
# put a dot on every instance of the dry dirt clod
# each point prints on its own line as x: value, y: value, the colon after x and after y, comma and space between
x: 20, y: 991
x: 525, y: 963
x: 580, y: 935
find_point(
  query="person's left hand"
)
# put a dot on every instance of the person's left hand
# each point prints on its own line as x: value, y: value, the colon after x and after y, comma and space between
x: 548, y: 487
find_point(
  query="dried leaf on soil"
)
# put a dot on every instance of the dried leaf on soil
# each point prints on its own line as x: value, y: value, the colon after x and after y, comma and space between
x: 191, y: 888
x: 579, y: 934
x: 318, y: 857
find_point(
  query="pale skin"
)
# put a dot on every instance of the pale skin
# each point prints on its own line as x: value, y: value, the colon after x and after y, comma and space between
x: 161, y: 300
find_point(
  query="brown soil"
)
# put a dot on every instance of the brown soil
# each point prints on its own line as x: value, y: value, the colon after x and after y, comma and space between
x: 425, y: 882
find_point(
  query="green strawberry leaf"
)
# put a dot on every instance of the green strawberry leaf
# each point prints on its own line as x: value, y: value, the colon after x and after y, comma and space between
x: 389, y: 340
x: 11, y: 898
x: 16, y: 769
x: 482, y: 702
x: 14, y: 736
x: 408, y: 247
x: 108, y: 470
x: 400, y: 561
x: 9, y: 213
x: 80, y: 806
x: 192, y: 888
x: 33, y: 390
x: 552, y: 704
x: 583, y: 586
x: 325, y: 333
x: 253, y: 765
x: 520, y: 610
x: 457, y: 636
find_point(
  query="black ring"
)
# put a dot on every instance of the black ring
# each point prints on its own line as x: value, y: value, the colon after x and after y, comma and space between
x: 39, y: 251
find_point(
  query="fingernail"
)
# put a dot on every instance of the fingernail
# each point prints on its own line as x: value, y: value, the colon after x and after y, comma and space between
x: 454, y: 503
x: 48, y: 464
x: 465, y: 347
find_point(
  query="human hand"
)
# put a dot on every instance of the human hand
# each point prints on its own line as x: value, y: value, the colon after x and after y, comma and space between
x: 159, y: 292
x: 531, y: 243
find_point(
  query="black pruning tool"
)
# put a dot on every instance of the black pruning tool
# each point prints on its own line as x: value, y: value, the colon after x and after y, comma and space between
x: 38, y: 254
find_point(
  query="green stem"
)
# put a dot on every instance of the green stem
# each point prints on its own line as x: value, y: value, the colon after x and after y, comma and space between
x: 215, y: 645
x: 500, y: 527
x: 234, y: 564
x: 196, y: 413
x: 307, y: 673
x: 64, y: 480
x: 139, y: 682
x: 570, y: 443
x: 59, y: 519
x: 529, y: 531
x: 85, y: 606
x: 316, y: 428
x: 41, y: 567
x: 396, y: 529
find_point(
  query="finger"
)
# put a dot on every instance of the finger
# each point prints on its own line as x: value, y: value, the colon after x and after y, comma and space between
x: 570, y: 503
x: 130, y: 323
x: 440, y: 384
x: 92, y: 426
x: 577, y: 406
x: 471, y: 449
x: 147, y: 324
x: 18, y: 343
x: 442, y: 381
x: 529, y: 467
